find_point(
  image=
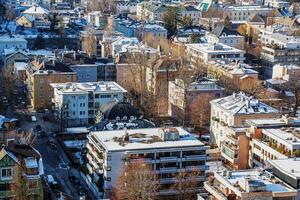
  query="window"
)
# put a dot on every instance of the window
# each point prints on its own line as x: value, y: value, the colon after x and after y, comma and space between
x: 6, y: 173
x: 108, y: 168
x: 108, y: 178
x: 96, y: 96
x: 106, y: 96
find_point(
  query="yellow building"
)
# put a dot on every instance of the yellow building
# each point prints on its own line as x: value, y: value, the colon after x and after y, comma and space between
x: 39, y: 77
x: 25, y: 21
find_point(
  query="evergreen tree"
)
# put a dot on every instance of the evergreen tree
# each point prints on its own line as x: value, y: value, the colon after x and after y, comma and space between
x: 170, y: 20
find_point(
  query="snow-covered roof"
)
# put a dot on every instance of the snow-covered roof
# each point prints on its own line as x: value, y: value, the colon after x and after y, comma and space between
x: 36, y: 10
x: 290, y: 166
x: 256, y: 179
x: 109, y: 142
x: 239, y: 103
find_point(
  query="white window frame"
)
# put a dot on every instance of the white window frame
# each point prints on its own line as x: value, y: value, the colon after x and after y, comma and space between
x: 7, y: 177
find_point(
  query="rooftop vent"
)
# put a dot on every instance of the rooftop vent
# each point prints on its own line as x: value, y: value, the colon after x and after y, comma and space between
x: 169, y: 134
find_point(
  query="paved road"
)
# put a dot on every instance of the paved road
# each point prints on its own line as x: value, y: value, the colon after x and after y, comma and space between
x: 53, y: 157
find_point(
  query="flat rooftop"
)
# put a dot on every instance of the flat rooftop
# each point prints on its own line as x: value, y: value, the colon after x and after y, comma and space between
x: 239, y: 103
x: 213, y: 48
x: 289, y: 166
x: 256, y: 178
x: 149, y: 138
x: 290, y: 136
x: 82, y: 88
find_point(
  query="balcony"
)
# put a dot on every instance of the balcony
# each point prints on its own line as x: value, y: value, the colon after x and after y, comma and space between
x: 194, y: 157
x: 168, y: 169
x: 214, y: 191
x: 196, y: 167
x: 229, y: 152
x: 167, y: 180
x: 168, y: 159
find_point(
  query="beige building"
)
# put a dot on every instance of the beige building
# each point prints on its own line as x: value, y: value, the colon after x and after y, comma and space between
x: 39, y: 77
x: 233, y: 111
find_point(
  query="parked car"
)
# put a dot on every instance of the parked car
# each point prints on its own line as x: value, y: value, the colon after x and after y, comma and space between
x: 52, y: 182
x: 33, y: 118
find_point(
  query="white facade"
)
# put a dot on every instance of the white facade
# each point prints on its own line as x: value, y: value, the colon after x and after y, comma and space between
x: 107, y: 157
x: 277, y: 3
x: 244, y: 12
x: 285, y: 72
x: 212, y: 52
x: 230, y: 40
x: 80, y: 102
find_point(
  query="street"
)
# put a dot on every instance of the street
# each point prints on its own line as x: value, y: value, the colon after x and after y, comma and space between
x: 55, y: 161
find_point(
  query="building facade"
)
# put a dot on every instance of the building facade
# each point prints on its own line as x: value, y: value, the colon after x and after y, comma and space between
x: 77, y: 104
x: 106, y: 156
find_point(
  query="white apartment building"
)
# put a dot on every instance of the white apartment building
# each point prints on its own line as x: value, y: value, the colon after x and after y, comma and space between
x: 225, y: 36
x: 77, y: 104
x: 168, y: 150
x: 233, y: 111
x: 153, y: 11
x: 248, y: 184
x: 276, y: 138
x: 214, y: 51
x: 244, y: 12
x: 288, y: 171
x: 279, y: 48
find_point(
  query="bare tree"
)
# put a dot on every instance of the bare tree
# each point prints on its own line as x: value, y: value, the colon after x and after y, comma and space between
x: 89, y: 41
x: 137, y: 181
x: 199, y: 110
x: 105, y: 6
x: 187, y: 184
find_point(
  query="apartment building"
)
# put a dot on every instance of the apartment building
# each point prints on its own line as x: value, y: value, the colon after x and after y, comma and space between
x: 184, y: 101
x: 79, y: 103
x: 241, y: 75
x: 21, y: 161
x: 248, y: 184
x: 133, y: 28
x: 152, y: 11
x: 244, y: 12
x: 226, y: 36
x: 40, y: 75
x: 233, y: 111
x: 276, y: 138
x: 168, y: 150
x: 279, y: 48
x: 214, y: 51
x: 282, y: 4
x: 287, y: 170
x: 101, y: 70
x: 282, y: 75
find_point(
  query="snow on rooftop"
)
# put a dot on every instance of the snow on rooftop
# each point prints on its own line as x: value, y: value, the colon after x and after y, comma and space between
x: 75, y: 87
x: 242, y: 104
x: 31, y: 162
x: 289, y: 166
x: 289, y: 136
x: 109, y: 142
x: 256, y: 178
x: 213, y: 47
x: 36, y: 10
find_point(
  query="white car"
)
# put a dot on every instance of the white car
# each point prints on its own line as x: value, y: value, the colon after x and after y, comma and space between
x: 33, y: 118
